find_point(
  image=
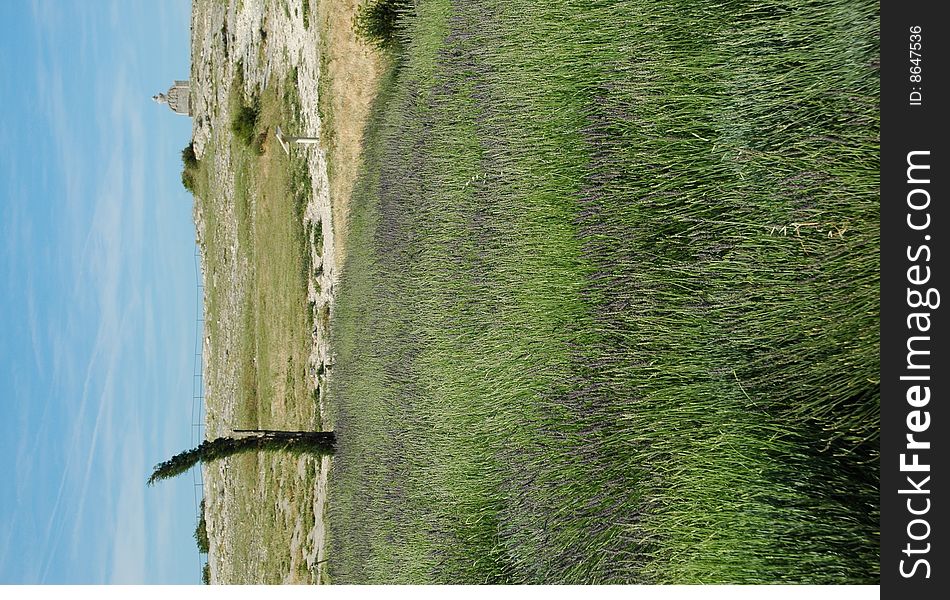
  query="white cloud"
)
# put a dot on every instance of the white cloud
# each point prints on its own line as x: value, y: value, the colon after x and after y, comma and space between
x: 101, y: 165
x: 129, y: 535
x: 103, y: 210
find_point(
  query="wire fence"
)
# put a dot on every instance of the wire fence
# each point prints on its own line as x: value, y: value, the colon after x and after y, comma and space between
x: 198, y: 399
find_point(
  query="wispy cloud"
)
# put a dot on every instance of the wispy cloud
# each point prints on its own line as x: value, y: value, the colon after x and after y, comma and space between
x: 129, y: 549
x: 83, y: 232
x: 103, y: 253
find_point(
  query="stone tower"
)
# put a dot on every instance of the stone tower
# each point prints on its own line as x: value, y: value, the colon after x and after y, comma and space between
x: 178, y: 98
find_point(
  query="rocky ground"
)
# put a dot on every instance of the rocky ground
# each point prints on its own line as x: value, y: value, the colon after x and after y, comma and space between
x: 267, y: 41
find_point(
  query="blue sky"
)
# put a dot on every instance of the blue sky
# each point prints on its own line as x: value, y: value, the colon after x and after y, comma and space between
x: 99, y: 297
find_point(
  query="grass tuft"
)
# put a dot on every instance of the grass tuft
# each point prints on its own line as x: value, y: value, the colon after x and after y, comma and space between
x: 379, y: 22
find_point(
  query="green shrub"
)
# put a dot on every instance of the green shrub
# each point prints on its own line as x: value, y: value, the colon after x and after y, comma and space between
x: 206, y: 574
x: 244, y: 124
x: 189, y: 166
x: 188, y: 179
x: 378, y: 22
x: 258, y: 146
x: 201, y: 532
x: 188, y: 156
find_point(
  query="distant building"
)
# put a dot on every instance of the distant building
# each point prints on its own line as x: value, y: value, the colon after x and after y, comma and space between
x: 178, y: 98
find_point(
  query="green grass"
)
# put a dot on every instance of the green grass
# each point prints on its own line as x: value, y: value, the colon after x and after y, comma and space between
x: 305, y: 15
x: 610, y: 306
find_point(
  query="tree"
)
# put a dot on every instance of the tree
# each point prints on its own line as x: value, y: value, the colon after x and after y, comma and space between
x: 244, y: 126
x: 201, y: 531
x: 188, y: 157
x: 246, y: 440
x: 189, y: 161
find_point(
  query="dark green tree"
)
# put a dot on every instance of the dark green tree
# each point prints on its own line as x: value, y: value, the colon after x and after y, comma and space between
x: 201, y: 531
x: 256, y: 440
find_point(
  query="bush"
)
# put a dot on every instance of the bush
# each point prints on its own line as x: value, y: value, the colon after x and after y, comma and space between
x: 206, y: 574
x: 189, y: 167
x: 188, y: 156
x: 244, y: 124
x: 201, y: 532
x: 378, y: 22
x: 258, y: 145
x: 188, y: 179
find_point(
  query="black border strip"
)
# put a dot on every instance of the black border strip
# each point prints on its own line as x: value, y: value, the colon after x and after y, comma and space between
x: 913, y: 128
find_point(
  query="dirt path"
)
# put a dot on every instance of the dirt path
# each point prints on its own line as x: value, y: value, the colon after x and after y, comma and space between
x: 352, y: 71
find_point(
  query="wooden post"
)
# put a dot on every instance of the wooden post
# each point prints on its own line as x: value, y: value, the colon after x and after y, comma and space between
x: 286, y: 140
